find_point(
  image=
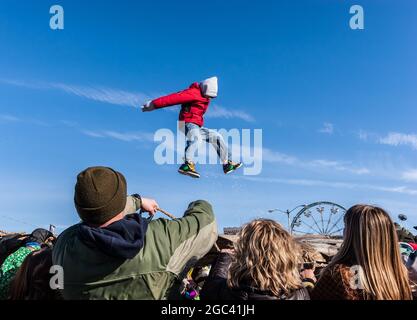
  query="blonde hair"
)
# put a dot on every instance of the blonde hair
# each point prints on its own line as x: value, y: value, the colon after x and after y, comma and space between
x: 371, y: 242
x: 266, y: 258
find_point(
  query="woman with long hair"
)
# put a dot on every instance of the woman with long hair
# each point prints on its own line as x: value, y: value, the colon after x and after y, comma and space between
x: 368, y: 266
x: 263, y: 266
x: 32, y: 279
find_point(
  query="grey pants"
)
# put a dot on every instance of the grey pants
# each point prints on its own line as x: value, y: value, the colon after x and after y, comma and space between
x: 195, y: 134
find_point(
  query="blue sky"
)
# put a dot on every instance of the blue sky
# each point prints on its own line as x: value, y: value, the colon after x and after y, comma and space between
x: 337, y: 106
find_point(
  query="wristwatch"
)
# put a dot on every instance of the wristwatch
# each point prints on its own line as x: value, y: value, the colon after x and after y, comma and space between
x: 138, y: 201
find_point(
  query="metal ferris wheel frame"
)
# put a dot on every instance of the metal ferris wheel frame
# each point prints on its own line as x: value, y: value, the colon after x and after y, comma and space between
x: 305, y: 209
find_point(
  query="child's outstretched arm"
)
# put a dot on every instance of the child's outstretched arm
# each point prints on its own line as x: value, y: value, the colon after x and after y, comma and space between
x: 181, y: 97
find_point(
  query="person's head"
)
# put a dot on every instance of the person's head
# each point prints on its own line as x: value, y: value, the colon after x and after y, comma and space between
x: 210, y: 88
x: 267, y: 258
x: 32, y: 279
x: 41, y: 236
x: 100, y: 195
x: 371, y: 242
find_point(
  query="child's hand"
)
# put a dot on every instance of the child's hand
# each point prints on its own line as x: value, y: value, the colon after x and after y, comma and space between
x: 148, y: 106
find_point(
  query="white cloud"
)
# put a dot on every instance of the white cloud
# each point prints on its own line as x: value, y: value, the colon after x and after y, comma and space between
x: 8, y: 118
x: 400, y: 189
x: 122, y: 136
x: 339, y: 166
x: 410, y: 175
x: 20, y: 83
x: 328, y: 128
x: 103, y: 94
x: 217, y: 111
x: 398, y: 139
x: 333, y: 184
x: 96, y: 93
x: 13, y: 119
x: 93, y: 134
x: 121, y: 97
x: 363, y: 135
x: 277, y: 157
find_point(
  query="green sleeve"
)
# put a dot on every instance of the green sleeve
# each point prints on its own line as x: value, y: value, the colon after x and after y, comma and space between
x: 181, y: 240
x: 9, y: 268
x: 15, y: 260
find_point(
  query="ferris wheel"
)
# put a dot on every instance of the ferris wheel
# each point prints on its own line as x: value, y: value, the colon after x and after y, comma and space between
x: 319, y: 218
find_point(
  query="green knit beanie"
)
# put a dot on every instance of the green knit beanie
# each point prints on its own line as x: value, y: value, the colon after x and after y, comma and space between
x: 100, y: 195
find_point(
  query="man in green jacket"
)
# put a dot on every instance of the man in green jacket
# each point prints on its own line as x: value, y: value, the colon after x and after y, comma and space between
x: 116, y: 254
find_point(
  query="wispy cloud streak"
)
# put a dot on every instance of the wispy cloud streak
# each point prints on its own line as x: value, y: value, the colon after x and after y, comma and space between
x: 8, y: 118
x: 400, y: 139
x: 121, y: 97
x: 103, y: 94
x: 95, y: 93
x: 328, y: 128
x: 217, y: 111
x: 333, y: 184
x: 410, y: 175
x: 345, y: 166
x: 122, y: 136
x: 339, y: 166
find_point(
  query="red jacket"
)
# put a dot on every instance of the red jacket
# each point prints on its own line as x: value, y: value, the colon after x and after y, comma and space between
x: 193, y: 104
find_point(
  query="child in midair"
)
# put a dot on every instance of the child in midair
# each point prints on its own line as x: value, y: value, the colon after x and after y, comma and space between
x: 194, y: 103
